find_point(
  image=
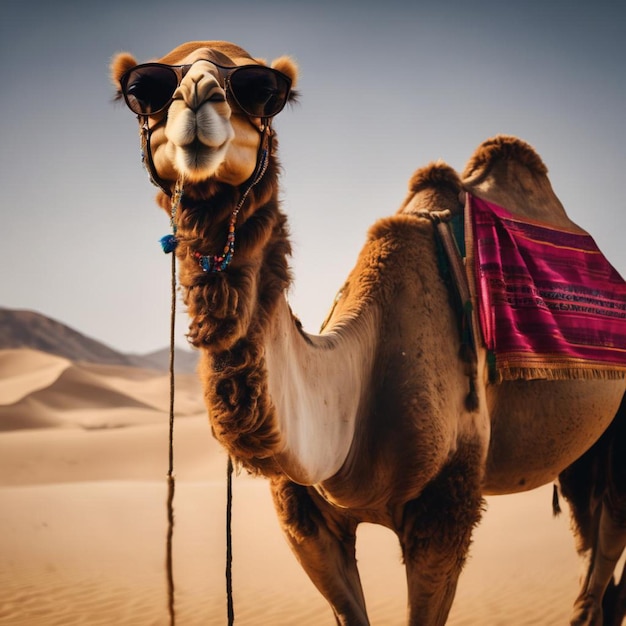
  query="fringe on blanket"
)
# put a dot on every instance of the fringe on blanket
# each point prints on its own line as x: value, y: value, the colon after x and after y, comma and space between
x: 503, y: 372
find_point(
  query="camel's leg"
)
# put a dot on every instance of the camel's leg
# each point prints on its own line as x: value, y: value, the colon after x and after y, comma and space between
x: 595, y: 486
x: 610, y: 543
x: 323, y: 541
x: 436, y: 535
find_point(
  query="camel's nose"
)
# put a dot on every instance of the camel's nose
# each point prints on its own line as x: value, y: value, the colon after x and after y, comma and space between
x: 198, y: 86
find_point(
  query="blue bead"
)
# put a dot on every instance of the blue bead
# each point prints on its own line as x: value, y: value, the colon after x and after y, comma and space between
x: 168, y: 243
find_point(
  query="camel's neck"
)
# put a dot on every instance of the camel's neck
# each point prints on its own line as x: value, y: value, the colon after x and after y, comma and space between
x: 277, y: 398
x: 317, y: 385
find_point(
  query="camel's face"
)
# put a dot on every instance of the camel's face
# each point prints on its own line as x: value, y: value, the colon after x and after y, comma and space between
x: 198, y: 128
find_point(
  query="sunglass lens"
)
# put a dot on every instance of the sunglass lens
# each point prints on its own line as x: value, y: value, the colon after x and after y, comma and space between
x: 260, y: 91
x: 148, y: 89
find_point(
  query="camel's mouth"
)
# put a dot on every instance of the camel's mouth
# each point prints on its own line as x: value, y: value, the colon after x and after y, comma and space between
x: 198, y: 161
x: 197, y: 146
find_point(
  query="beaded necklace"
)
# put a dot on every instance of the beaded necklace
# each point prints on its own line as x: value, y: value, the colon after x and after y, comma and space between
x: 214, y: 262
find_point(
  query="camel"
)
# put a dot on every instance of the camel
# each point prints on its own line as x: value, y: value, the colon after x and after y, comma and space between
x: 371, y: 419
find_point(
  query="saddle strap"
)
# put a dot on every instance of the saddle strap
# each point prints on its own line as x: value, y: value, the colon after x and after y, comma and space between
x: 441, y: 221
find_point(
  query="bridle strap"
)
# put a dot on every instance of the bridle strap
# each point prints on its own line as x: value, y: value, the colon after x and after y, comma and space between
x: 146, y: 155
x: 263, y: 154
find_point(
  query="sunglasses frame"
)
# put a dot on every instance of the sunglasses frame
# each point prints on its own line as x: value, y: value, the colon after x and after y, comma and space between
x: 226, y: 71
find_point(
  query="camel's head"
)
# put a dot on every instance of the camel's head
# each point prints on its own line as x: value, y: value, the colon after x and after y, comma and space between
x: 204, y: 108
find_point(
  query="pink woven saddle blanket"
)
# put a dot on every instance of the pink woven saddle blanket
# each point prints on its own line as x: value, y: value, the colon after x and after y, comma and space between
x: 550, y: 304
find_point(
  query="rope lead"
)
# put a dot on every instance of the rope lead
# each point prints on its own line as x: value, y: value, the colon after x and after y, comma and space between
x: 229, y: 542
x: 170, y: 471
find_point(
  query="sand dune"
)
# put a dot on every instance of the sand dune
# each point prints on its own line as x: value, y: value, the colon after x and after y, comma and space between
x: 23, y: 372
x: 83, y: 522
x: 39, y: 390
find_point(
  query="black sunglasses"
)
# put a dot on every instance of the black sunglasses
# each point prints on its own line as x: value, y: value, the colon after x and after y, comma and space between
x: 259, y: 91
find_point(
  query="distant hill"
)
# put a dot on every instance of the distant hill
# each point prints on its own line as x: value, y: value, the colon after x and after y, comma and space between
x: 29, y: 329
x: 185, y: 361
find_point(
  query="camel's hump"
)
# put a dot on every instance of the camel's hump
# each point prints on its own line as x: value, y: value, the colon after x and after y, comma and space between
x: 508, y: 171
x: 503, y: 148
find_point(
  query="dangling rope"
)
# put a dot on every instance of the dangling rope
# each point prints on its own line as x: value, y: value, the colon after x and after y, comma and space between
x: 229, y: 543
x: 168, y: 244
x: 170, y: 471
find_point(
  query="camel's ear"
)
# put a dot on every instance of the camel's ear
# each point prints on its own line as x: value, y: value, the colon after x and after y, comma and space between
x: 121, y: 63
x: 287, y: 66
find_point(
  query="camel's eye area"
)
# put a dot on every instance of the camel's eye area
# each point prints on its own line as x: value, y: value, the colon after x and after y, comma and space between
x: 149, y: 88
x: 257, y: 90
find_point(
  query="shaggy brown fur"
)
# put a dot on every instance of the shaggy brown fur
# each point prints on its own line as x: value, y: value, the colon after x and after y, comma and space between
x: 498, y: 149
x: 229, y: 310
x: 451, y: 501
x: 439, y: 184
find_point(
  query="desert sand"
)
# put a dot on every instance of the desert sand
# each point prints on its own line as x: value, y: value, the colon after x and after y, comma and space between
x: 83, y: 464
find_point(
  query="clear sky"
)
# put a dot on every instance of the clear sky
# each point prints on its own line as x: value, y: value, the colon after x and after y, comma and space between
x: 385, y: 88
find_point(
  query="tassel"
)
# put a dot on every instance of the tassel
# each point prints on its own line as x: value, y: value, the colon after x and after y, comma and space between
x: 556, y: 506
x: 471, y: 400
x: 168, y: 243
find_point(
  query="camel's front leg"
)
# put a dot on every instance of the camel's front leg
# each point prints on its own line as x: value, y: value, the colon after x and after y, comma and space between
x: 324, y: 544
x: 436, y: 535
